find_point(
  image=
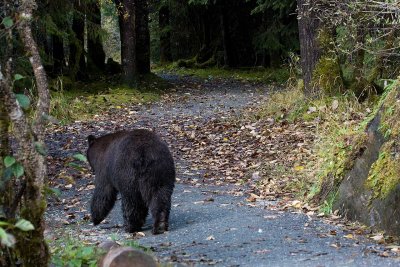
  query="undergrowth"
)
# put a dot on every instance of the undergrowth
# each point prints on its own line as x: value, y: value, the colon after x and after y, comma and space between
x: 338, y: 124
x: 71, y: 252
x: 83, y: 100
x: 338, y: 137
x: 264, y: 75
x: 74, y: 253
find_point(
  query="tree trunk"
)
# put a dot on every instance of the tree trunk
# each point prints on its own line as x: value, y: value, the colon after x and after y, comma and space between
x: 142, y: 36
x: 205, y: 52
x: 33, y: 250
x: 225, y: 40
x: 165, y: 34
x: 309, y: 49
x: 58, y: 55
x: 96, y: 55
x: 126, y: 19
x: 77, y: 63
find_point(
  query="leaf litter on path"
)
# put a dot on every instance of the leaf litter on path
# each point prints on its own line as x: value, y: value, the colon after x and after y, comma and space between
x: 215, y: 140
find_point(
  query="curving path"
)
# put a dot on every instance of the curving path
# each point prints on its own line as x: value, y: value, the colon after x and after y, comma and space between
x: 209, y: 224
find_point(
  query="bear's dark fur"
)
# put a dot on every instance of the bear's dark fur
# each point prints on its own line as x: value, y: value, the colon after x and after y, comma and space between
x: 138, y: 165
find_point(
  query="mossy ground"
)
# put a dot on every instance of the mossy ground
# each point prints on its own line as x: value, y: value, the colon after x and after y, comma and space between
x: 264, y: 75
x: 80, y: 101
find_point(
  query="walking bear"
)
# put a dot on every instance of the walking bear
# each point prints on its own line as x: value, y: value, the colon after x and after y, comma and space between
x: 138, y: 165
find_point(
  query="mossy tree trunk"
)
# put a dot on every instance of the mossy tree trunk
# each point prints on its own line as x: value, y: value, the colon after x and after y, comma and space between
x: 31, y: 248
x: 309, y: 48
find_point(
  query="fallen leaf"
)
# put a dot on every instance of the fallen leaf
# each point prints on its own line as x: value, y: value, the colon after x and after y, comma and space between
x: 349, y: 236
x: 335, y: 104
x: 211, y: 237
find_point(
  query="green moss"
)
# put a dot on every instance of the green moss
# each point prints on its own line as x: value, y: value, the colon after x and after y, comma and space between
x: 264, y: 75
x: 31, y: 247
x: 327, y: 77
x: 384, y: 174
x: 325, y: 40
x: 338, y: 158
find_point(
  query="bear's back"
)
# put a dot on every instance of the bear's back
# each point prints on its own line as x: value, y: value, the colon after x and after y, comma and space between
x: 140, y: 153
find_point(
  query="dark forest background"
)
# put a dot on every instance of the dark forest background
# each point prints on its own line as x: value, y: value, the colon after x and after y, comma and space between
x: 75, y: 43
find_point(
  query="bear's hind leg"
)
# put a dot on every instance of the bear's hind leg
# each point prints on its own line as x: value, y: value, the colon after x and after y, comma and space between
x: 102, y: 202
x: 134, y: 211
x: 160, y: 207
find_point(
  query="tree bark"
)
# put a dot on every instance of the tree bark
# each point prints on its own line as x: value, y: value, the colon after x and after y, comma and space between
x: 58, y: 55
x: 77, y: 63
x: 226, y: 42
x: 32, y: 246
x: 126, y: 19
x: 96, y: 55
x: 165, y: 34
x: 142, y: 36
x: 309, y: 49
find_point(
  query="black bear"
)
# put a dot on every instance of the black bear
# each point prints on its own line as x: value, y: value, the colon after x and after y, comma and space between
x: 138, y: 165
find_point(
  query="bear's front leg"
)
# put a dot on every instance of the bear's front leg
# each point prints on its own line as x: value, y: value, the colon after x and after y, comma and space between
x: 103, y: 201
x: 134, y: 211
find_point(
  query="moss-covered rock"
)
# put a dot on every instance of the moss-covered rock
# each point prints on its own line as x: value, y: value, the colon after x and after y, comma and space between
x: 370, y: 190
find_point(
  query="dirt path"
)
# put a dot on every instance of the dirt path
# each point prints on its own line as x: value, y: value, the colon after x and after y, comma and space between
x: 211, y: 222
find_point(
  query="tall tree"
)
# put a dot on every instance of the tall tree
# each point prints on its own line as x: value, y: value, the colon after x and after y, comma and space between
x: 133, y: 16
x: 142, y: 36
x: 309, y: 49
x: 225, y: 36
x: 77, y: 63
x: 126, y: 19
x: 96, y: 55
x: 165, y: 33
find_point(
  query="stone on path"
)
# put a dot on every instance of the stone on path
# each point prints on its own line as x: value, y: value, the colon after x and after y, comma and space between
x: 127, y: 257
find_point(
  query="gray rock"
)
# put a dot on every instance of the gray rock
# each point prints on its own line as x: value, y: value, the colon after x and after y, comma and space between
x: 108, y: 245
x: 127, y: 257
x: 355, y: 200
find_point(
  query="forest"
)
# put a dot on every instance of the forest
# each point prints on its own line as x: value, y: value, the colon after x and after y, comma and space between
x: 283, y: 111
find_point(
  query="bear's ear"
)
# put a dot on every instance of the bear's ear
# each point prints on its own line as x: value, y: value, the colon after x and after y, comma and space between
x: 91, y: 139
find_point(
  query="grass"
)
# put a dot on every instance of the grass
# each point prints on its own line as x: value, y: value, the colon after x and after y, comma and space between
x: 339, y: 135
x: 83, y: 100
x: 327, y: 205
x: 259, y: 74
x: 285, y: 104
x: 338, y: 122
